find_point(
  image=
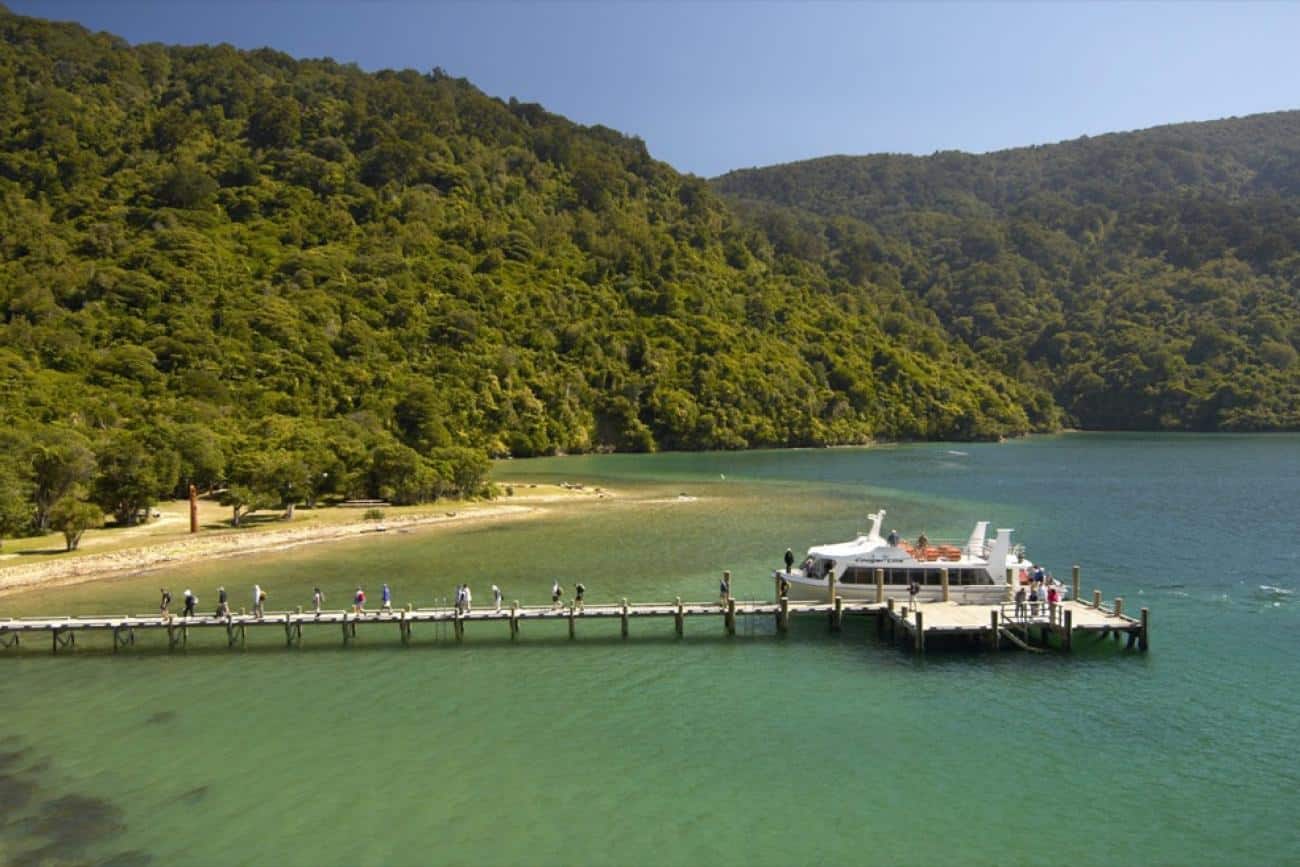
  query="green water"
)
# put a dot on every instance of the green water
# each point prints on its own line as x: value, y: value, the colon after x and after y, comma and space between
x: 755, y: 750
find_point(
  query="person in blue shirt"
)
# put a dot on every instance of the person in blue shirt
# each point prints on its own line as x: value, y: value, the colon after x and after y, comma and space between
x: 386, y: 599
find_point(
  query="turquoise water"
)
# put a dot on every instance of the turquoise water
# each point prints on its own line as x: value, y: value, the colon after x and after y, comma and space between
x: 754, y: 750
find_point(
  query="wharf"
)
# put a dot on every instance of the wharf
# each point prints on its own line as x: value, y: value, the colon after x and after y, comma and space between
x: 994, y: 625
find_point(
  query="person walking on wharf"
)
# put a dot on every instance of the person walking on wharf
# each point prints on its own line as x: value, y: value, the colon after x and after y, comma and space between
x: 1020, y: 602
x: 165, y: 603
x: 579, y: 590
x: 359, y: 602
x: 469, y: 599
x: 912, y: 590
x: 259, y: 601
x: 789, y: 560
x: 556, y: 592
x: 223, y: 602
x: 191, y: 602
x: 496, y: 597
x: 724, y: 591
x: 317, y: 599
x: 386, y: 599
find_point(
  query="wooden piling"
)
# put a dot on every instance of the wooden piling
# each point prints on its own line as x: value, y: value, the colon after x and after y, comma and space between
x: 830, y: 583
x: 880, y: 586
x: 572, y: 632
x: 783, y: 618
x: 514, y: 620
x: 893, y: 627
x: 1067, y: 631
x: 1074, y: 582
x: 920, y: 631
x: 679, y: 618
x: 837, y: 616
x: 730, y: 619
x: 943, y: 581
x: 625, y: 605
x: 458, y: 626
x: 1119, y: 606
x: 1096, y: 599
x: 995, y: 640
x: 1142, y: 636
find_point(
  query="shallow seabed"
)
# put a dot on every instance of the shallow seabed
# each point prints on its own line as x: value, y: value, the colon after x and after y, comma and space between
x: 754, y: 750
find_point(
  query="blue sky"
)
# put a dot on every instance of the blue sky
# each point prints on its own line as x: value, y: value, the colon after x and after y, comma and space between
x: 716, y: 86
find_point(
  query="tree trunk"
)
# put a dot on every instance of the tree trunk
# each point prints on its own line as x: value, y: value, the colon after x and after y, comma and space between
x: 234, y: 520
x: 288, y: 512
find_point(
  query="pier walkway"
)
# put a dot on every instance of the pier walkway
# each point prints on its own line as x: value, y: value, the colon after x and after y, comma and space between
x: 993, y: 624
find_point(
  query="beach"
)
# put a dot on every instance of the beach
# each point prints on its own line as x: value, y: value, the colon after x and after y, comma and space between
x: 163, y: 543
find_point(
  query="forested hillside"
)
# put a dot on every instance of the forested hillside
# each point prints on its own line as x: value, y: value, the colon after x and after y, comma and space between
x: 1148, y: 280
x: 297, y: 280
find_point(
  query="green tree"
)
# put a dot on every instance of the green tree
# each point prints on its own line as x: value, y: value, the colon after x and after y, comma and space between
x: 73, y: 516
x: 127, y: 483
x: 57, y: 465
x: 15, y: 503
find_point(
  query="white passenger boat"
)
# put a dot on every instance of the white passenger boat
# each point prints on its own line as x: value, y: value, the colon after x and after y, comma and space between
x: 977, y: 568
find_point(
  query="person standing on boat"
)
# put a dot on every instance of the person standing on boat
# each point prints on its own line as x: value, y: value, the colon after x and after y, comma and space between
x: 386, y: 599
x: 165, y: 602
x: 1033, y: 599
x: 893, y: 538
x: 496, y: 597
x: 317, y: 599
x: 922, y: 542
x: 789, y: 560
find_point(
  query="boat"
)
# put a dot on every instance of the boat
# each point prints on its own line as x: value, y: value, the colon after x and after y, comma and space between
x: 977, y: 568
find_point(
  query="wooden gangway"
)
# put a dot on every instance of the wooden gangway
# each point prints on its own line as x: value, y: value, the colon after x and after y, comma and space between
x: 990, y: 622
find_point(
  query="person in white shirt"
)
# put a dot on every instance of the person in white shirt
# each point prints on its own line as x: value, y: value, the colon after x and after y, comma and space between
x: 496, y: 597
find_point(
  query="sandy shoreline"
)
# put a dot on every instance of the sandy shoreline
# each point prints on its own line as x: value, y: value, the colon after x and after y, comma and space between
x: 90, y: 567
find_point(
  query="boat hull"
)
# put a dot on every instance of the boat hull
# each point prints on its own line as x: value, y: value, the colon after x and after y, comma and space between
x: 811, y: 590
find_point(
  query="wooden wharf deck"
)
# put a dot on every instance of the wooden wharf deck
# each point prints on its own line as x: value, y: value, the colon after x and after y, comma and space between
x: 995, y: 624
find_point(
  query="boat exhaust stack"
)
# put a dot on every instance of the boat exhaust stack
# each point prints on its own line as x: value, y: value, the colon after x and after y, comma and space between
x: 998, y: 555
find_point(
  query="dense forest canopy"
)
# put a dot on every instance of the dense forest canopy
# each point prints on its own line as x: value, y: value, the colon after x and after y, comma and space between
x: 293, y: 280
x: 1148, y: 280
